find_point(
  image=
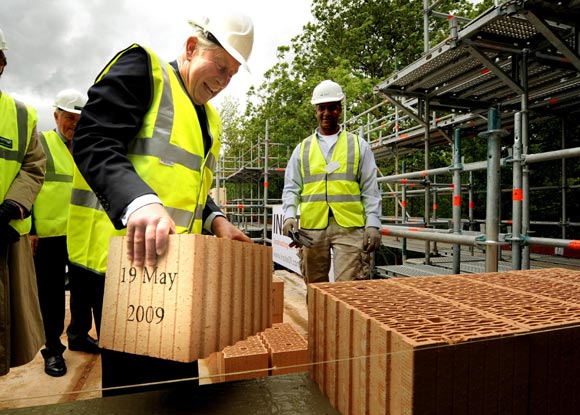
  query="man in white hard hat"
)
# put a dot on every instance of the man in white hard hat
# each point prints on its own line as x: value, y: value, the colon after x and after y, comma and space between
x: 147, y: 143
x: 48, y: 235
x: 332, y: 177
x: 22, y: 163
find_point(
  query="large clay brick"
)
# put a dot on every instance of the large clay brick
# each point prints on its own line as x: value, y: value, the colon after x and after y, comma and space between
x: 380, y: 372
x: 204, y: 294
x: 288, y: 349
x: 361, y: 360
x: 546, y: 285
x: 345, y: 342
x: 277, y: 300
x: 431, y: 348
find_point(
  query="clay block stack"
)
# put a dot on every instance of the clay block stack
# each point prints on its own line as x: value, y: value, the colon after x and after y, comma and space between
x: 288, y: 349
x: 204, y: 294
x: 247, y: 359
x: 488, y: 343
x: 277, y: 299
x: 278, y: 350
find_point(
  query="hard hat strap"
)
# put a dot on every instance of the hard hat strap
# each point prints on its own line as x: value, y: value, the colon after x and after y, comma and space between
x: 212, y: 38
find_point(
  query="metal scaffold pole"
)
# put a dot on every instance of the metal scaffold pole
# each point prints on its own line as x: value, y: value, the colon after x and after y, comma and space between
x: 265, y: 213
x: 404, y: 215
x: 517, y: 194
x: 563, y: 182
x: 457, y: 168
x: 427, y: 183
x: 493, y: 135
x: 525, y: 169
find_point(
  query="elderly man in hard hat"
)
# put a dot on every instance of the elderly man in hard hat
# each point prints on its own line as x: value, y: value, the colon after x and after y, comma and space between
x: 48, y: 235
x: 147, y: 144
x: 22, y: 163
x: 332, y: 178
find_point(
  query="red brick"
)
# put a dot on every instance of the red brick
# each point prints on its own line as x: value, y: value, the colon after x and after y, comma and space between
x: 451, y: 344
x: 277, y: 300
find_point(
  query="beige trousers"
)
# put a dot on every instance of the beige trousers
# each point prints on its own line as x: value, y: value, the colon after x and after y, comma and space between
x: 350, y: 261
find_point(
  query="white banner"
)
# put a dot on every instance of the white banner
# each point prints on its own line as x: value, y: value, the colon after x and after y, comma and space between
x: 281, y: 251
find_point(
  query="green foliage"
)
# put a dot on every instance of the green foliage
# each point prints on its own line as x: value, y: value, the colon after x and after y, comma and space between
x: 355, y: 43
x: 360, y: 43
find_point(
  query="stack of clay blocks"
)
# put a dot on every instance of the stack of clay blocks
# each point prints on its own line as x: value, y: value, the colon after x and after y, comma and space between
x: 204, y: 294
x: 277, y: 300
x: 456, y: 344
x: 247, y: 359
x: 288, y: 349
x: 277, y: 350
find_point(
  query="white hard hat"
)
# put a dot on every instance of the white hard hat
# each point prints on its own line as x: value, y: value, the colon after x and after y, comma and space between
x: 327, y: 91
x: 233, y: 32
x: 70, y: 100
x: 3, y: 45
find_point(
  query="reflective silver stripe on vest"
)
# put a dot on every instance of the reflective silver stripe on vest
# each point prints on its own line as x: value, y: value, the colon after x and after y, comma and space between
x: 88, y: 199
x: 159, y: 144
x: 22, y: 126
x: 85, y: 198
x: 309, y: 178
x: 180, y: 217
x: 348, y: 175
x: 50, y: 174
x: 198, y: 213
x: 22, y: 119
x: 211, y: 162
x: 331, y: 199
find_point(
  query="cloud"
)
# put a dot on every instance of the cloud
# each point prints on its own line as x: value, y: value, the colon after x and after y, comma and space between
x: 58, y: 44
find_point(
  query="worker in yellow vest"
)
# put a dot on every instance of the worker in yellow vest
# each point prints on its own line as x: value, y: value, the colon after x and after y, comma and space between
x: 146, y: 147
x: 22, y: 164
x: 331, y: 178
x: 49, y: 223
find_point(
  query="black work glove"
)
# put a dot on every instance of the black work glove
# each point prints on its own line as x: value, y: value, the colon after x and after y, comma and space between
x: 8, y: 235
x: 371, y: 239
x: 9, y: 210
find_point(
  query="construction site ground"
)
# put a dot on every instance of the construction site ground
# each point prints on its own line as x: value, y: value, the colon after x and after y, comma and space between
x: 28, y: 386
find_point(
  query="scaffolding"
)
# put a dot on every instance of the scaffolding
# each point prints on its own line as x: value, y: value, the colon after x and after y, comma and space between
x: 516, y: 64
x: 249, y: 204
x: 516, y: 59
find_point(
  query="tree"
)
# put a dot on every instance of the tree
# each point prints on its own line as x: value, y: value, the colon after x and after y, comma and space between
x: 355, y: 43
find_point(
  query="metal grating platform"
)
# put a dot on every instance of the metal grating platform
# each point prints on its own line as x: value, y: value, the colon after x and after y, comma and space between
x: 411, y: 270
x: 252, y: 174
x: 483, y: 65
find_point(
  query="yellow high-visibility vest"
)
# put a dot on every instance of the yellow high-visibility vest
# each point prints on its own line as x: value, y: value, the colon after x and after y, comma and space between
x: 334, y: 186
x: 167, y: 153
x: 52, y: 203
x: 17, y: 121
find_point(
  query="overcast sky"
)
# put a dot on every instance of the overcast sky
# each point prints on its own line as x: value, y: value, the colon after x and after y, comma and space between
x: 58, y: 44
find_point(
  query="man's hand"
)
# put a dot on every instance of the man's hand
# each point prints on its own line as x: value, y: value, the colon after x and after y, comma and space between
x: 223, y: 228
x: 290, y: 224
x: 148, y: 230
x: 371, y: 239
